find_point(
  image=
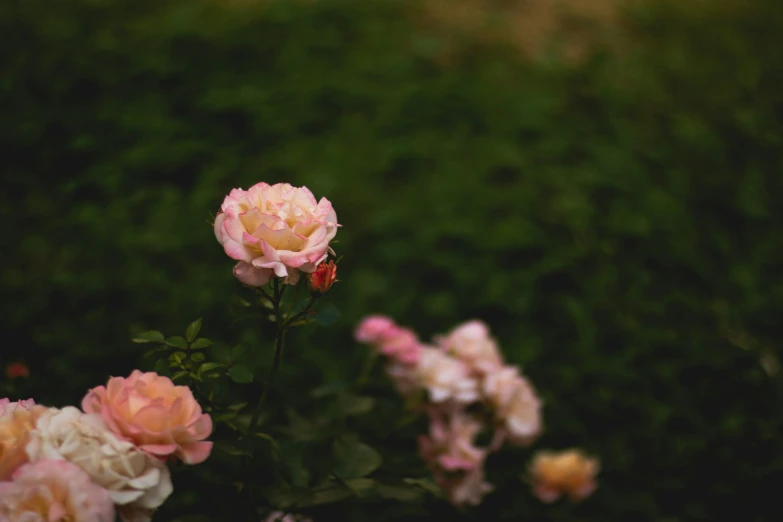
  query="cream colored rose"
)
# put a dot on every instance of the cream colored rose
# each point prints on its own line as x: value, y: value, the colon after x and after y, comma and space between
x: 444, y: 377
x: 516, y: 404
x: 137, y: 482
x: 568, y: 472
x: 471, y: 343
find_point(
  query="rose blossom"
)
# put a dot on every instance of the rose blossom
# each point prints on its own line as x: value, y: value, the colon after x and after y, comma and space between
x: 16, y: 421
x: 515, y: 403
x: 470, y: 342
x: 444, y: 377
x: 374, y: 328
x: 449, y: 444
x: 324, y: 277
x: 468, y: 489
x: 568, y: 472
x: 275, y: 230
x: 137, y: 483
x: 53, y: 491
x: 149, y: 410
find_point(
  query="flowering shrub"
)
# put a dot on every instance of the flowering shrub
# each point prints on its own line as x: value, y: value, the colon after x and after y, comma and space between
x: 114, y: 456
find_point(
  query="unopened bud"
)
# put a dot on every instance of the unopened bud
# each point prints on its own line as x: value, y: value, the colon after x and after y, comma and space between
x: 324, y: 277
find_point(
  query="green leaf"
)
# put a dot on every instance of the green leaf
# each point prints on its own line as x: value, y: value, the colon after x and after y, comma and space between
x: 356, y: 405
x: 354, y: 459
x: 197, y: 357
x: 224, y: 416
x: 401, y: 493
x: 327, y: 315
x: 425, y: 484
x: 157, y: 349
x: 200, y: 344
x: 327, y: 496
x: 177, y: 357
x: 238, y: 352
x: 177, y: 342
x: 238, y: 406
x: 240, y: 374
x: 361, y: 487
x: 331, y: 388
x: 193, y: 329
x: 294, y: 464
x: 153, y: 336
x: 208, y: 366
x: 162, y: 367
x: 178, y: 375
x: 232, y: 450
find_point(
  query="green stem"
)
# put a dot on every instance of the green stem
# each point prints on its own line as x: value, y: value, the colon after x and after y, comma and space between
x: 279, y: 346
x: 304, y: 311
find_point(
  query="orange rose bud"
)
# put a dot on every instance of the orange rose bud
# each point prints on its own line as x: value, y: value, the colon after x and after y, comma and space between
x: 15, y: 370
x: 569, y: 472
x: 324, y: 277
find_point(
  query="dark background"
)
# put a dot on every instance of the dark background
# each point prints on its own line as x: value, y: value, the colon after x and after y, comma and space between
x: 615, y: 220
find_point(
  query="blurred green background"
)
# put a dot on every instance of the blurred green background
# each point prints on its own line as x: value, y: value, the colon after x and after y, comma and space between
x: 616, y: 220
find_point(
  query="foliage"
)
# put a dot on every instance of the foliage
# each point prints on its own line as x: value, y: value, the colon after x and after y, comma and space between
x: 615, y: 223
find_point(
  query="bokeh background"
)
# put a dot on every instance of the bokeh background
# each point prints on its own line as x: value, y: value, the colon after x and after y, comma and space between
x: 598, y: 181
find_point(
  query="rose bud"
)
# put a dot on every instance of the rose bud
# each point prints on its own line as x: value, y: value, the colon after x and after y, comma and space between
x: 324, y: 277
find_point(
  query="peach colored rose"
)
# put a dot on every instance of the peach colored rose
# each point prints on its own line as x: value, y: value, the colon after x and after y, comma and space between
x: 53, y: 491
x: 157, y: 416
x: 444, y: 377
x: 137, y: 483
x: 568, y: 472
x: 275, y: 230
x: 16, y: 421
x: 470, y: 343
x: 516, y: 404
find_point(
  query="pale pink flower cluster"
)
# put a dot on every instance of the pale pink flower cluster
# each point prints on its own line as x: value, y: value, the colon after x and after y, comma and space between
x: 275, y: 231
x: 279, y: 516
x: 460, y: 369
x: 104, y: 460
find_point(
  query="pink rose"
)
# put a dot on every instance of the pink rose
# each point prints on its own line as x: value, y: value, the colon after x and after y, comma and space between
x: 568, y: 472
x: 516, y: 404
x: 275, y: 230
x: 54, y: 491
x: 471, y: 343
x: 374, y: 328
x: 398, y: 343
x: 149, y: 410
x: 449, y: 444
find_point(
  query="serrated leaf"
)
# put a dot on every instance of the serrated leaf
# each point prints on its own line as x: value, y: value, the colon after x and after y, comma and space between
x: 361, y: 487
x: 193, y: 329
x: 178, y: 375
x: 208, y: 366
x: 327, y: 315
x: 177, y: 357
x: 240, y: 374
x: 162, y: 366
x: 152, y: 336
x: 177, y: 342
x: 354, y: 459
x: 200, y: 344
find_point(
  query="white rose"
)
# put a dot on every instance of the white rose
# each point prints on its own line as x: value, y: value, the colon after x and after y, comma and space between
x: 470, y: 342
x: 444, y: 377
x: 136, y: 482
